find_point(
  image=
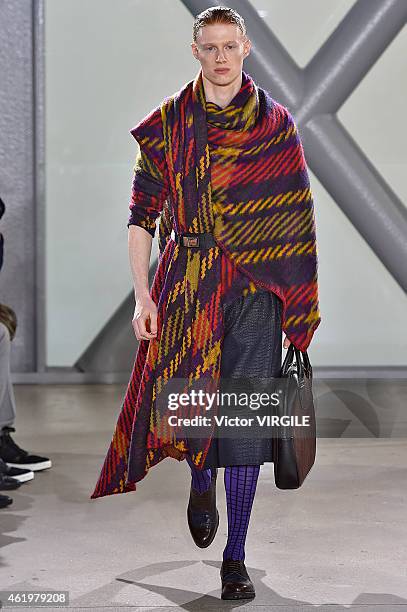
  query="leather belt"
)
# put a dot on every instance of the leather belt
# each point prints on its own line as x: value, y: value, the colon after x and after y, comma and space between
x: 201, y: 241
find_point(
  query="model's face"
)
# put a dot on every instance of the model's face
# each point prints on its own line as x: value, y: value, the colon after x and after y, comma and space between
x: 221, y: 46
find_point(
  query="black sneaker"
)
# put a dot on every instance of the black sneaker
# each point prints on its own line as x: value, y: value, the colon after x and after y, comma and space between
x: 236, y: 583
x: 17, y: 473
x: 8, y: 484
x: 5, y: 500
x: 17, y: 457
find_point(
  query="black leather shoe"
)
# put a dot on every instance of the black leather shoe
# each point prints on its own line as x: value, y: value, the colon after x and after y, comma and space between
x: 203, y: 515
x: 236, y: 583
x: 8, y: 484
x: 5, y: 500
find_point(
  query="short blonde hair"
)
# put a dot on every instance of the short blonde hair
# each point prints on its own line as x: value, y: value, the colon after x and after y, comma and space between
x: 217, y: 14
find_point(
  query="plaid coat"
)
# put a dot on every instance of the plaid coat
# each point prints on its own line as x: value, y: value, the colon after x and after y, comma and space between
x: 240, y: 173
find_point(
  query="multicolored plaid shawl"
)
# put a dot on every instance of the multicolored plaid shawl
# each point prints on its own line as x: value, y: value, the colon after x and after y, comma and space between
x: 266, y: 226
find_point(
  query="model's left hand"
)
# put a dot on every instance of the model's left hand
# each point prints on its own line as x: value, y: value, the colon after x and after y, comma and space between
x: 286, y: 343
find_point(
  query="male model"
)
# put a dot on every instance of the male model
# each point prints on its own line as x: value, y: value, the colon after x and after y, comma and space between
x: 222, y: 163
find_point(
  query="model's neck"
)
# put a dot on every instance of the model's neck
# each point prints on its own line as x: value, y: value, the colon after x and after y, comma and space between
x: 221, y: 95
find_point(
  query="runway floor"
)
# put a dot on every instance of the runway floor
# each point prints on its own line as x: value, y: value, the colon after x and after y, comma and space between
x: 337, y: 543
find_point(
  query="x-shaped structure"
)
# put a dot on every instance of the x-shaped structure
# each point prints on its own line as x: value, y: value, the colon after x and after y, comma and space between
x: 315, y: 93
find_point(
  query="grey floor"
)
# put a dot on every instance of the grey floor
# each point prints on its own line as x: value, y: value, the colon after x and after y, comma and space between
x: 339, y: 542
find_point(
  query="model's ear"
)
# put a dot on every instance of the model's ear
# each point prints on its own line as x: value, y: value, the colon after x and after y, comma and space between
x: 248, y: 46
x: 194, y: 50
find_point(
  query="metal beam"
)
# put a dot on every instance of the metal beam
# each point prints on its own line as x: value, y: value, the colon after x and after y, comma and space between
x: 314, y: 94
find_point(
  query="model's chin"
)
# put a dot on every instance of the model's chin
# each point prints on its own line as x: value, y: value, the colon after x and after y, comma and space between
x: 224, y: 77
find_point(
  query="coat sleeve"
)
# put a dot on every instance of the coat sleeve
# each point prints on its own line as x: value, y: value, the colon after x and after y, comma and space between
x: 149, y: 189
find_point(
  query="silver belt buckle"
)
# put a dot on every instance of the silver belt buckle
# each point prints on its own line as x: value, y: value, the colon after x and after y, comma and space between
x: 190, y: 241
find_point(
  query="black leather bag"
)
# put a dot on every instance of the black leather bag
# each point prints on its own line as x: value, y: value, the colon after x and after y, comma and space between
x: 294, y: 446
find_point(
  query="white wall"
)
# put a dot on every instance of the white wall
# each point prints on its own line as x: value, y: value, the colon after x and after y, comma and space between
x: 107, y: 64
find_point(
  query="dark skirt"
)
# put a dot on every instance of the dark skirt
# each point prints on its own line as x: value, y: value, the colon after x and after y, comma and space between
x: 252, y: 347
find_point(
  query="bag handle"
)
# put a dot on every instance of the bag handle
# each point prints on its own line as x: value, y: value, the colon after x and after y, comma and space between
x: 303, y: 365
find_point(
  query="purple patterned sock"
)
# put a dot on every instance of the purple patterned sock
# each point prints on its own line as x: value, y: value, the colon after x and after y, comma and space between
x: 201, y: 479
x: 240, y: 487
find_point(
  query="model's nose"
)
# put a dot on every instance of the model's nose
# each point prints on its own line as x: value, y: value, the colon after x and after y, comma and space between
x: 221, y: 58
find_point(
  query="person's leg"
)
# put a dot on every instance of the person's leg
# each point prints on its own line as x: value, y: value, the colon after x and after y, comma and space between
x: 201, y: 479
x: 10, y: 453
x: 251, y: 350
x: 7, y: 400
x: 240, y: 486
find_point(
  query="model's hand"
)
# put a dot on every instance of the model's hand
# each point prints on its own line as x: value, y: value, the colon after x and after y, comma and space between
x: 145, y: 318
x: 286, y: 343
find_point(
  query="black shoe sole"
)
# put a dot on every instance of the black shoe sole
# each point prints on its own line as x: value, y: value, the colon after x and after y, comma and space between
x: 239, y: 596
